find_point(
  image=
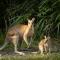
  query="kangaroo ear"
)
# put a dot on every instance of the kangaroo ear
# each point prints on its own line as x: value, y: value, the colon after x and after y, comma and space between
x: 29, y: 20
x: 33, y: 19
x: 45, y: 37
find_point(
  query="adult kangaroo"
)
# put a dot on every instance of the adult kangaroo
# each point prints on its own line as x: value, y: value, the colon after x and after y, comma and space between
x: 19, y: 32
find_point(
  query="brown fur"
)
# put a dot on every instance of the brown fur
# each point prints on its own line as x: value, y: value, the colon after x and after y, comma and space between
x: 45, y: 45
x: 18, y: 33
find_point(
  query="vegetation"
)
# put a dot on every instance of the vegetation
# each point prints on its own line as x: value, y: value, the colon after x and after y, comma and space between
x: 46, y: 12
x: 54, y: 56
x: 47, y: 15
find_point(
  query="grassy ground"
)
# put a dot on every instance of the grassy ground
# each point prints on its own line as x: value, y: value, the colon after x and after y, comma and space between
x: 9, y: 55
x: 52, y: 56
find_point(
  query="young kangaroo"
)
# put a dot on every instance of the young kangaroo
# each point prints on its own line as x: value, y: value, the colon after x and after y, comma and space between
x: 18, y: 33
x: 45, y: 45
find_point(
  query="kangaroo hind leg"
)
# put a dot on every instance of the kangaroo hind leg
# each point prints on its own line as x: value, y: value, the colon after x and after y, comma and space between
x: 15, y: 40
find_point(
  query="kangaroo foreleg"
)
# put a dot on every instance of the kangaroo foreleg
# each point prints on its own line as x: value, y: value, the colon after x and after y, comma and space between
x: 30, y: 41
x: 25, y: 39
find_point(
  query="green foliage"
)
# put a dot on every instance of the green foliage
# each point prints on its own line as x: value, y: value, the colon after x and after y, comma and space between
x: 1, y: 37
x: 18, y: 19
x: 47, y: 14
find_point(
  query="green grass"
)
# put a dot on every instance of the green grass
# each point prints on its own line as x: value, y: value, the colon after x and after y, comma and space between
x: 53, y: 56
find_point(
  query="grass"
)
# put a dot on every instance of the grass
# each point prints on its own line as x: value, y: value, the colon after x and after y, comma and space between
x: 53, y: 56
x: 28, y: 56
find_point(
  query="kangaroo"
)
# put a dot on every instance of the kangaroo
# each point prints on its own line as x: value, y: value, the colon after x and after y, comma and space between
x: 45, y: 45
x: 18, y: 33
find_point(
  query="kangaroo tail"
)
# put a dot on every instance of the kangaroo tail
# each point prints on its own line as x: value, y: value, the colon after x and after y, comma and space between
x: 1, y: 48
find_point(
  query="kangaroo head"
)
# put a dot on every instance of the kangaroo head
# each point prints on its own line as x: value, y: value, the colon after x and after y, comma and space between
x: 45, y: 37
x: 30, y: 22
x: 48, y: 37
